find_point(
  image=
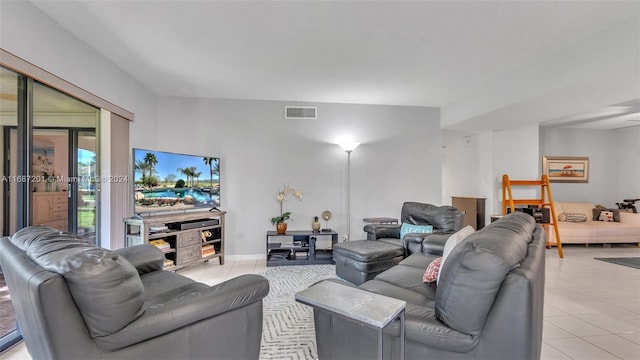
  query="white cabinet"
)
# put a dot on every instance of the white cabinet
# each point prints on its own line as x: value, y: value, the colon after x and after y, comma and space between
x: 51, y: 208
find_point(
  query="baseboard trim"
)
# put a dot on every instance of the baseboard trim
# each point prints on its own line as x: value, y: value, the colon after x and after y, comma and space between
x: 246, y: 257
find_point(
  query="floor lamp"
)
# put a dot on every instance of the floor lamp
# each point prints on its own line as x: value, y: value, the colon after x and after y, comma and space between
x: 348, y: 147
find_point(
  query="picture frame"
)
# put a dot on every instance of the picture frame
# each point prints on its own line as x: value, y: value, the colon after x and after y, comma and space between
x: 566, y: 169
x: 42, y: 161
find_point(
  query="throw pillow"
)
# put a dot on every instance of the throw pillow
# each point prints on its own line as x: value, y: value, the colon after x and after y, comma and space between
x: 431, y: 274
x: 597, y: 213
x: 451, y: 243
x: 606, y: 216
x: 414, y: 229
x: 575, y: 217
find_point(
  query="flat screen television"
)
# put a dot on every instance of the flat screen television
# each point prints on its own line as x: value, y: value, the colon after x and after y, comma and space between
x: 172, y: 182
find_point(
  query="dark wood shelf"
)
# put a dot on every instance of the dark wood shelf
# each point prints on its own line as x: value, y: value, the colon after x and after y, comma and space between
x: 307, y: 240
x: 158, y: 235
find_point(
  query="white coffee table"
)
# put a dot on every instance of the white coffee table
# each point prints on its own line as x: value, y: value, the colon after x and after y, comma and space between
x: 368, y: 308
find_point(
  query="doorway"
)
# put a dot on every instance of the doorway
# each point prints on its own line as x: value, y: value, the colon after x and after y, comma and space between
x: 63, y: 176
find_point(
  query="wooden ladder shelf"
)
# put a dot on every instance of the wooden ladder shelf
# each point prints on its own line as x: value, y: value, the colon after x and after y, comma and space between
x: 545, y: 192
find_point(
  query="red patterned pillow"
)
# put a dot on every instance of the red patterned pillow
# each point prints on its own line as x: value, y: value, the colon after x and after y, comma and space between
x: 431, y: 274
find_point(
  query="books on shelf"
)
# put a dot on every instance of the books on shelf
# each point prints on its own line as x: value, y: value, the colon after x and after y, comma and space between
x: 161, y: 244
x: 208, y: 250
x: 168, y: 264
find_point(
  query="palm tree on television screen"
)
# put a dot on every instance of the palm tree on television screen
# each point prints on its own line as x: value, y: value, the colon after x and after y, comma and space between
x: 190, y: 173
x: 185, y: 172
x: 151, y: 160
x: 211, y: 162
x: 142, y: 167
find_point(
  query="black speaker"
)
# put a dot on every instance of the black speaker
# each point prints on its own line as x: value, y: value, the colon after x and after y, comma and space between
x: 541, y: 215
x: 545, y: 215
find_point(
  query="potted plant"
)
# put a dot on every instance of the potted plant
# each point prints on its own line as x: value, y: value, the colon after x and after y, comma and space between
x: 280, y: 221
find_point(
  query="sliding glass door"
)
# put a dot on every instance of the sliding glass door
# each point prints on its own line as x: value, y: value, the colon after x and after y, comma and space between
x: 84, y: 207
x: 12, y: 113
x: 50, y: 156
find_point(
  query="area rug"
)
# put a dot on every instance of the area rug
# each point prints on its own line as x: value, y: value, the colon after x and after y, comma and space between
x: 288, y: 330
x: 633, y: 262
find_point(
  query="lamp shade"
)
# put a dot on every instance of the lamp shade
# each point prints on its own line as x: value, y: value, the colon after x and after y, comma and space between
x: 349, y: 146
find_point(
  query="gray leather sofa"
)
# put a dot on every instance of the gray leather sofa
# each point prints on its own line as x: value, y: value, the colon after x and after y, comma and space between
x: 77, y: 301
x: 488, y: 303
x: 444, y: 219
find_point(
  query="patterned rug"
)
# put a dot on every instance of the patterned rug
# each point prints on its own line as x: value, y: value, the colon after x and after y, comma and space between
x: 288, y: 330
x: 633, y: 262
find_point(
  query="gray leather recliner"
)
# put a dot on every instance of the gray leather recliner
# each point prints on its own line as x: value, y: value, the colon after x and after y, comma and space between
x: 77, y: 301
x: 444, y: 219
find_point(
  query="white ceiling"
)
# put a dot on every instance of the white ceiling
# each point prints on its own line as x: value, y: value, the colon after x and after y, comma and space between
x: 616, y: 116
x: 422, y: 53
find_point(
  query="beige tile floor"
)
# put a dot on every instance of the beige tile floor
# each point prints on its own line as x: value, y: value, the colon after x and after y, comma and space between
x: 592, y: 308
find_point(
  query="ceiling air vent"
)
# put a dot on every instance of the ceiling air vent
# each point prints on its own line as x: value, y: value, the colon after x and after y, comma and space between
x: 301, y: 112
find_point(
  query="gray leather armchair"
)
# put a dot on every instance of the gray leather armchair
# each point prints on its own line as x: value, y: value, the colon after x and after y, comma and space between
x: 444, y: 219
x: 77, y: 301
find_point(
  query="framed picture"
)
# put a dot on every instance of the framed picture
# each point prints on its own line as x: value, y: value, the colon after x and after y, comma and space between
x: 566, y: 169
x: 42, y: 160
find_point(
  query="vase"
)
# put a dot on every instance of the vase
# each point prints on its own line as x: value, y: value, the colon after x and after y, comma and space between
x: 281, y: 227
x: 315, y: 225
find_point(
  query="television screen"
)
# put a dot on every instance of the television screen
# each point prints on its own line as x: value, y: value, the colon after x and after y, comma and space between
x: 167, y: 181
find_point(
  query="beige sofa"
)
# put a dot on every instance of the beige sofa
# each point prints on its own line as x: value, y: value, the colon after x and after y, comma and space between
x: 594, y: 232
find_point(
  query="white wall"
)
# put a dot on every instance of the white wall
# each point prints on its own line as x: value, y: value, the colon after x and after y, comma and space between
x: 515, y: 153
x: 398, y: 160
x: 626, y: 152
x: 613, y: 163
x: 466, y: 165
x: 474, y: 166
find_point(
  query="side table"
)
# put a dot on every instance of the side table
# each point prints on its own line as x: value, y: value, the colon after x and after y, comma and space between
x: 370, y: 309
x: 316, y: 245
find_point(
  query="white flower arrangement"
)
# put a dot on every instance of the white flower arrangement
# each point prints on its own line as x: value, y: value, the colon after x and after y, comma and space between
x: 282, y: 196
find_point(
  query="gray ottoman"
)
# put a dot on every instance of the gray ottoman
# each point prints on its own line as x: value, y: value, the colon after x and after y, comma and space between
x: 361, y: 260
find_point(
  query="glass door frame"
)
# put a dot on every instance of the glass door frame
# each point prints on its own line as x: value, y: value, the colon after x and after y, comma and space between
x: 27, y: 74
x: 72, y: 177
x: 24, y: 153
x: 22, y: 191
x: 73, y: 186
x: 24, y: 112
